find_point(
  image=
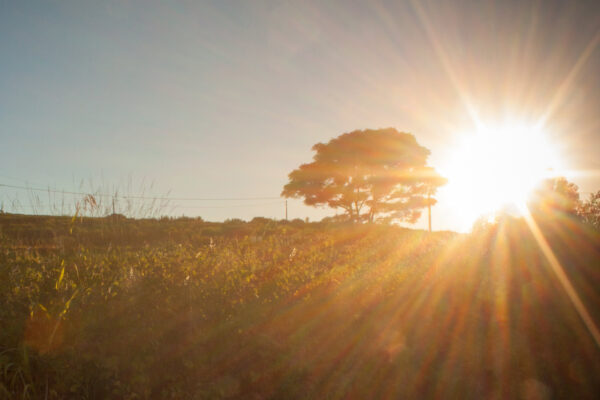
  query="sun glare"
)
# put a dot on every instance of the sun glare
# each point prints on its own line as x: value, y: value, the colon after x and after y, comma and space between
x: 497, y: 167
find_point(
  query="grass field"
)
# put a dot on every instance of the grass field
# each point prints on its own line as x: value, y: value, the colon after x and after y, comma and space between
x: 101, y: 308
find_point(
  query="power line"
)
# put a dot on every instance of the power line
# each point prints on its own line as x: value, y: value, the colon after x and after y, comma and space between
x: 140, y: 197
x: 51, y: 206
x: 233, y: 205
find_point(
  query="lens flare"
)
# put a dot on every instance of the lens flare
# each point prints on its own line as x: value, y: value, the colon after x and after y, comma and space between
x: 497, y: 167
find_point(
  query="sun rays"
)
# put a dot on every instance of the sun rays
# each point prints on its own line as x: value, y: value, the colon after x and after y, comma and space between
x: 499, y: 165
x: 509, y: 142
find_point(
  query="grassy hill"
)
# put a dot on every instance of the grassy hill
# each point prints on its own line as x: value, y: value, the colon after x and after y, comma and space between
x: 182, y: 308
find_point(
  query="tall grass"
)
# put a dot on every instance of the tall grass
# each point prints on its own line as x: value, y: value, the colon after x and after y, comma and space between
x: 96, y: 199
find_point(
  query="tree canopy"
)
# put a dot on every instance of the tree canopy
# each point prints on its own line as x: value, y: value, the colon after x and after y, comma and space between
x: 370, y: 174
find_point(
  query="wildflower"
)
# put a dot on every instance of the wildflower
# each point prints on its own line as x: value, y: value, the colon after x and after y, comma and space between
x: 293, y: 253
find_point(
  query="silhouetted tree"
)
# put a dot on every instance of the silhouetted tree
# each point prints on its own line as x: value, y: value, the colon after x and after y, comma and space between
x: 368, y: 173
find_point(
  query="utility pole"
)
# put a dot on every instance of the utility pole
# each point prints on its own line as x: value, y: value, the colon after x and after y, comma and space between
x: 286, y: 210
x: 429, y: 209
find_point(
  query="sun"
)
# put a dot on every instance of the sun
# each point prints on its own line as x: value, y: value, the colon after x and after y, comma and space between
x: 497, y: 167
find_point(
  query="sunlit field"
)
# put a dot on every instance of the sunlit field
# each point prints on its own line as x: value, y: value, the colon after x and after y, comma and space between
x: 187, y: 309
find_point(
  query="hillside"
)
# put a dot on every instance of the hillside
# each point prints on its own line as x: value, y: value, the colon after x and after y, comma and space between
x: 182, y: 308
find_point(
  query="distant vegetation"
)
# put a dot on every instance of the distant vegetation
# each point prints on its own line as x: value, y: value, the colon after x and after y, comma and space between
x: 96, y: 308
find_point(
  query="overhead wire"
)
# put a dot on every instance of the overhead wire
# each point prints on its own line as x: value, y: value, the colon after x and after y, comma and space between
x: 136, y: 196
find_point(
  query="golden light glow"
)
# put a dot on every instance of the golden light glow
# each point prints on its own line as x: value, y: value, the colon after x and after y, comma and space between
x: 497, y: 167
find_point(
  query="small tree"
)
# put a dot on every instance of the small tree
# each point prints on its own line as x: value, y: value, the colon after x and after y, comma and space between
x: 589, y: 210
x: 369, y: 174
x: 555, y: 195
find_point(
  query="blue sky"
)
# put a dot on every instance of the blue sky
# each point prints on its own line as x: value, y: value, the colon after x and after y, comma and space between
x: 225, y: 98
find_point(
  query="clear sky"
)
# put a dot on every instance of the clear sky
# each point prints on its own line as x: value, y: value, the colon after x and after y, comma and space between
x: 225, y: 98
